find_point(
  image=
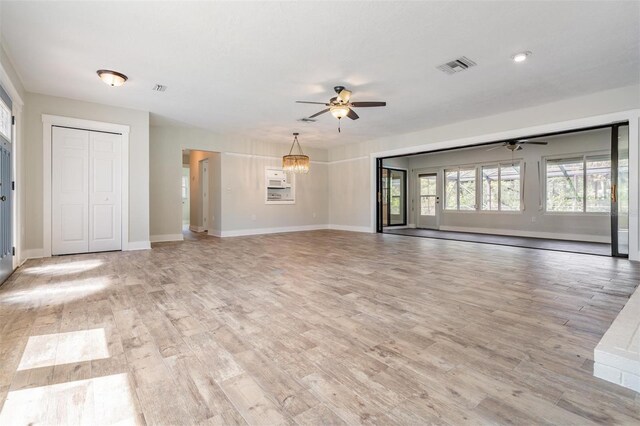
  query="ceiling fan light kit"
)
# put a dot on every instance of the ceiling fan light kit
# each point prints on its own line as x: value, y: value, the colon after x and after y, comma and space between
x: 339, y: 111
x: 296, y: 163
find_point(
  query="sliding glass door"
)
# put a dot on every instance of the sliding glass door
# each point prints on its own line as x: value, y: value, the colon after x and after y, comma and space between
x: 620, y: 190
x: 393, y: 190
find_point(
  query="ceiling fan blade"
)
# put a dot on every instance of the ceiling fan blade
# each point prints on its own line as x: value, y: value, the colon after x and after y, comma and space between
x: 318, y: 113
x: 344, y: 95
x: 368, y: 104
x: 495, y: 147
x: 534, y: 142
x: 352, y: 114
x: 315, y: 103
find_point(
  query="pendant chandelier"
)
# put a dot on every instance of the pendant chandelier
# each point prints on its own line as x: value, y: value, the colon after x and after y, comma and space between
x: 296, y: 163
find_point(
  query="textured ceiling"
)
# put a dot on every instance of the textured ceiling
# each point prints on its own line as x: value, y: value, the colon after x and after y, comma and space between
x: 237, y: 67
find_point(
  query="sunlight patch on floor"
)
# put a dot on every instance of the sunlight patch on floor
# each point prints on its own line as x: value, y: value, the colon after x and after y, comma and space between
x: 56, y: 292
x: 64, y: 268
x: 64, y: 348
x: 98, y: 401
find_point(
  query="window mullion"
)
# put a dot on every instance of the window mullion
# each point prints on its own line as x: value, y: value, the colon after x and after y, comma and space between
x: 584, y: 184
x: 499, y: 187
x: 458, y: 190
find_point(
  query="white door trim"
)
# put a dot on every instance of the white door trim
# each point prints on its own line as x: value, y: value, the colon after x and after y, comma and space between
x: 54, y: 120
x: 632, y: 116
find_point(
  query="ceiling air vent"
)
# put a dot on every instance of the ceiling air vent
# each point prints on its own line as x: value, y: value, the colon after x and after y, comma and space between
x: 457, y: 65
x: 159, y: 88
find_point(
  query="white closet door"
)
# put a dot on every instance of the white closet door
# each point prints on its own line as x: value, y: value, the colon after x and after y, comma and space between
x: 105, y: 192
x: 70, y: 191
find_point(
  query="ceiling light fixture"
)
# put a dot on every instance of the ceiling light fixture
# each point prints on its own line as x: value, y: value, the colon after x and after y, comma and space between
x: 521, y: 57
x: 339, y: 111
x: 296, y: 163
x: 112, y: 78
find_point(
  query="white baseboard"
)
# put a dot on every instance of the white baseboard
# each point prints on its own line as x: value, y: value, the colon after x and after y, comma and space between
x: 532, y: 234
x: 260, y: 231
x: 166, y: 237
x: 214, y: 233
x: 195, y: 228
x: 32, y: 254
x: 350, y: 228
x: 138, y: 245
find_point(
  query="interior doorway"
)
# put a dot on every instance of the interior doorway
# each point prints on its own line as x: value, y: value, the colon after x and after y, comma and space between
x: 201, y: 194
x: 185, y: 195
x: 203, y: 168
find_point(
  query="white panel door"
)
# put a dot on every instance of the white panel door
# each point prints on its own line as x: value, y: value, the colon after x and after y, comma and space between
x: 70, y: 191
x: 105, y: 192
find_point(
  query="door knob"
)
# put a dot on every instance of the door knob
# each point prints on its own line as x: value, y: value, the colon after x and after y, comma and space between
x: 3, y: 198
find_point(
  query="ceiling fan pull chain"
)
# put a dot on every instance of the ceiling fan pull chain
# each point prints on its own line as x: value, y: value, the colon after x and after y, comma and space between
x: 339, y: 125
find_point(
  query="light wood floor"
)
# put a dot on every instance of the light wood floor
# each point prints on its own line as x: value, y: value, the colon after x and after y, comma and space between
x: 314, y: 327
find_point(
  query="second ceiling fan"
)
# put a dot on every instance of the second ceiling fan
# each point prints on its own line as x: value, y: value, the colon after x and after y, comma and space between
x: 341, y: 106
x: 516, y: 145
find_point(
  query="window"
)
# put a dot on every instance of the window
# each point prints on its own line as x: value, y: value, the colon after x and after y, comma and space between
x: 580, y: 184
x: 460, y: 189
x: 396, y: 193
x: 598, y: 184
x: 185, y: 187
x: 428, y: 195
x: 5, y: 121
x: 501, y: 187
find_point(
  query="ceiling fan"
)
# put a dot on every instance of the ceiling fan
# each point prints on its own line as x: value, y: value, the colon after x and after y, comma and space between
x: 341, y: 106
x: 516, y: 145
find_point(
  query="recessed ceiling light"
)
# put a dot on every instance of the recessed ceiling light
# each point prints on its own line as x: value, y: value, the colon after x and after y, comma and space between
x: 112, y: 78
x: 521, y: 57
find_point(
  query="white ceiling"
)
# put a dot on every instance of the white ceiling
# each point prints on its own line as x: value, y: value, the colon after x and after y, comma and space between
x: 237, y: 67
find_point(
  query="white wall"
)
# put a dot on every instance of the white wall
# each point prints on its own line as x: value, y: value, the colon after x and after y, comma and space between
x: 242, y: 164
x: 360, y: 214
x: 532, y: 221
x: 243, y: 196
x: 349, y: 193
x: 138, y: 121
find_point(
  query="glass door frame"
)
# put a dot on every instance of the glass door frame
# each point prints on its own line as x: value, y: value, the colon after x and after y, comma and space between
x: 614, y: 190
x: 380, y: 191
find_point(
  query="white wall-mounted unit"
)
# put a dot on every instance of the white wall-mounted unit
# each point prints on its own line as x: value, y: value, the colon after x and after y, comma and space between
x: 279, y: 186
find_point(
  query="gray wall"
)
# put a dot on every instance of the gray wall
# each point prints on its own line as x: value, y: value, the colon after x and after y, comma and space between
x: 532, y: 221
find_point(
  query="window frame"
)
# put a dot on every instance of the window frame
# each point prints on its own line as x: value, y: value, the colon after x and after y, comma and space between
x: 8, y: 137
x: 457, y: 169
x: 499, y: 165
x: 585, y: 156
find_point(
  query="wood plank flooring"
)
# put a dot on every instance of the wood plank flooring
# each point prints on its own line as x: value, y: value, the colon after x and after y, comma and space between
x: 321, y: 327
